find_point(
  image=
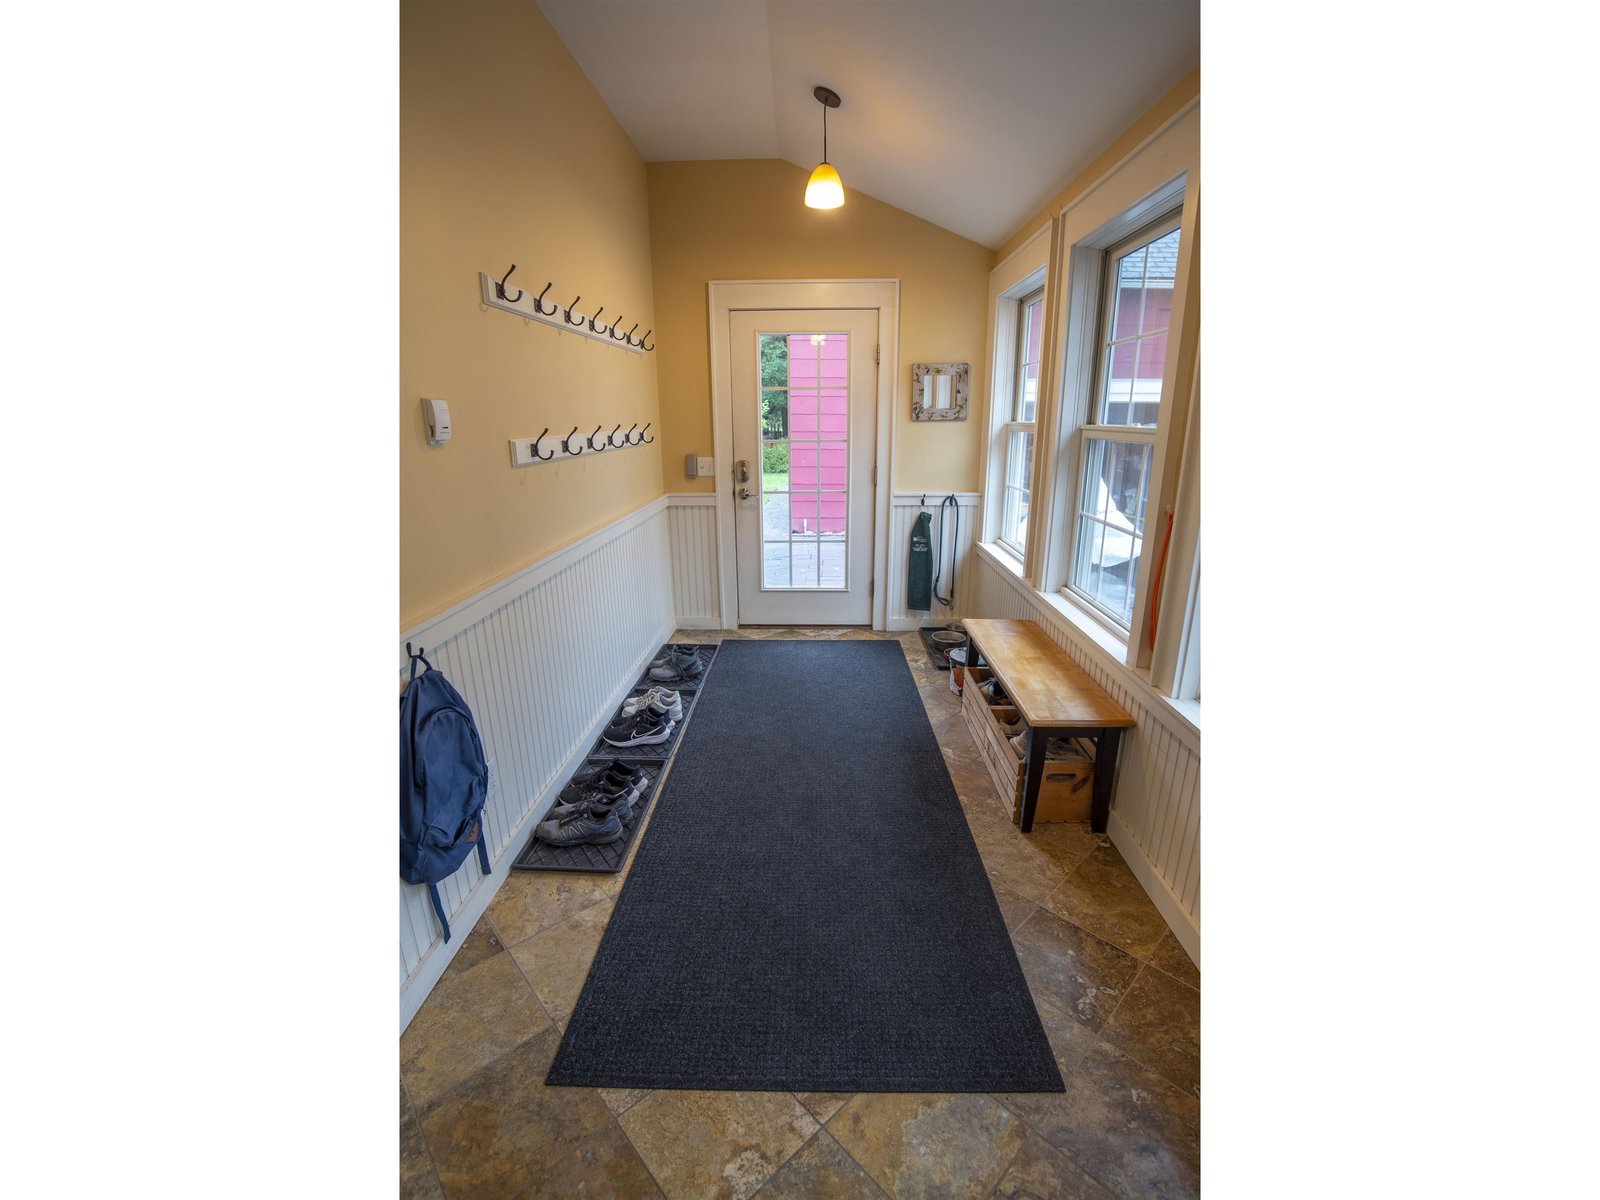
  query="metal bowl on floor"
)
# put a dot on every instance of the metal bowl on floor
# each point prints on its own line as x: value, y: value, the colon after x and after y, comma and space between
x: 946, y: 640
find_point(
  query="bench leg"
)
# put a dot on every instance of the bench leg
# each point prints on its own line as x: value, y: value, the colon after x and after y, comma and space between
x: 1106, y: 744
x: 1033, y: 777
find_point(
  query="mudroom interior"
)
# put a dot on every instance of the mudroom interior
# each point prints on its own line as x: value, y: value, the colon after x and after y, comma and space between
x: 799, y: 639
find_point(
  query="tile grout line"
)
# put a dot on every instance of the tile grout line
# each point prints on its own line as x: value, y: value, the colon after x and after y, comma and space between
x: 1027, y: 1124
x: 416, y: 1115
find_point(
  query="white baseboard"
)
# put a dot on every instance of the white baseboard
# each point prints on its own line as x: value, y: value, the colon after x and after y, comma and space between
x: 1167, y: 904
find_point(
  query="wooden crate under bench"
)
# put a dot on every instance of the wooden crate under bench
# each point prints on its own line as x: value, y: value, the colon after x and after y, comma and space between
x: 1067, y: 791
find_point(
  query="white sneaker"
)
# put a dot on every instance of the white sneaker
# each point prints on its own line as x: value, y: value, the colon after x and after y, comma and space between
x: 667, y: 699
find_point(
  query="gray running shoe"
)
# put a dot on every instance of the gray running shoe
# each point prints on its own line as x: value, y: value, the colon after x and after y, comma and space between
x: 672, y: 650
x: 599, y: 801
x: 584, y: 825
x: 681, y: 669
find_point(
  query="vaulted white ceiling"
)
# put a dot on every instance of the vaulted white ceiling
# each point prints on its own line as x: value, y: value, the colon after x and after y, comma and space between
x: 969, y: 113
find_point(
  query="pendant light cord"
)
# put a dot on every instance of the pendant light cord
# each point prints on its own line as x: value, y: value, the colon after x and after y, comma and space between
x: 824, y: 133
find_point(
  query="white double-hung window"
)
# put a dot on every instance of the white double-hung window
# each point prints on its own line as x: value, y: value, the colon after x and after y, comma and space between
x: 1110, y: 540
x: 1016, y: 493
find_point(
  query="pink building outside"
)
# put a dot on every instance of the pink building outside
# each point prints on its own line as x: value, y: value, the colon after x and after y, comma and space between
x: 819, y: 421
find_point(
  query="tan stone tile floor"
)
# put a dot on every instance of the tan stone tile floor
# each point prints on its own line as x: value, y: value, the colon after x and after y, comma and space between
x: 1118, y: 996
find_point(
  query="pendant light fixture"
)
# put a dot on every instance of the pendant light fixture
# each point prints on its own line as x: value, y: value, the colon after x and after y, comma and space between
x: 825, y: 189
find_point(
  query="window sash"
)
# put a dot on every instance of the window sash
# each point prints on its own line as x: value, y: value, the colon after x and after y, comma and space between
x: 1020, y: 383
x: 1105, y: 344
x: 1008, y: 433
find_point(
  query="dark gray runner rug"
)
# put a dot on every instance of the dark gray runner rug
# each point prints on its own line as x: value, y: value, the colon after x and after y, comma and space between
x: 808, y: 911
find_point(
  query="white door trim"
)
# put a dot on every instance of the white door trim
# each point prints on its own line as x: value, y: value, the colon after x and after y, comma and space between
x: 725, y: 296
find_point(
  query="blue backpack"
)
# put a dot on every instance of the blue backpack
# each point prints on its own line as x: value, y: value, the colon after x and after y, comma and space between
x: 444, y: 781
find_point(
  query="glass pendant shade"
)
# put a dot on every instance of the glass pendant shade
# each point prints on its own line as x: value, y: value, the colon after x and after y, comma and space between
x: 825, y: 189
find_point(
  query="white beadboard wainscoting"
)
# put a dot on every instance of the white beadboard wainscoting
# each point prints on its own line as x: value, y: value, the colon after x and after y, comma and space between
x: 692, y: 530
x: 902, y: 515
x: 1155, y: 810
x: 542, y: 659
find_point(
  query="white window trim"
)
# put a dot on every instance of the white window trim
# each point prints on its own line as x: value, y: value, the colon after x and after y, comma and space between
x: 1091, y: 430
x: 1016, y: 425
x: 1023, y: 272
x: 1139, y: 190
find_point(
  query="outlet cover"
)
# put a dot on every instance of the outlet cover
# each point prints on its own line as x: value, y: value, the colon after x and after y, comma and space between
x: 494, y: 781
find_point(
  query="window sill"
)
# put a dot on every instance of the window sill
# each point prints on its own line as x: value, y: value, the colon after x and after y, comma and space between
x: 1002, y: 556
x: 1116, y: 647
x: 1184, y: 712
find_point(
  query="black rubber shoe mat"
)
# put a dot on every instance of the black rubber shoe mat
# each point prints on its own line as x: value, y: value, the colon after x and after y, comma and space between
x: 609, y: 857
x: 606, y: 858
x: 936, y: 656
x: 707, y: 652
x: 660, y: 752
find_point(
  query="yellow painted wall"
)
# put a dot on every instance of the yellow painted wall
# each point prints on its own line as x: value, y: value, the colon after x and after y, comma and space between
x: 745, y: 219
x: 507, y: 154
x: 1185, y: 90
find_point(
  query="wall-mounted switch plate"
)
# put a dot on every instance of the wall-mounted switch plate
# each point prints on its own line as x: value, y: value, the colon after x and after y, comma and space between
x: 707, y: 467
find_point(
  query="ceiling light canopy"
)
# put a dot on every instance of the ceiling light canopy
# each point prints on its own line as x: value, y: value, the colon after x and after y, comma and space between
x: 825, y: 189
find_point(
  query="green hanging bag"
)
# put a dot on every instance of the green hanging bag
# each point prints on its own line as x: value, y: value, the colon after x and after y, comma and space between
x: 919, y: 565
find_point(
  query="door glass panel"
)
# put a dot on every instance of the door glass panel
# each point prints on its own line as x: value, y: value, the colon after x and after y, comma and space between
x: 805, y: 459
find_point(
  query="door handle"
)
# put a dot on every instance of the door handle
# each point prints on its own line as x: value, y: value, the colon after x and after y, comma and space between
x: 746, y: 494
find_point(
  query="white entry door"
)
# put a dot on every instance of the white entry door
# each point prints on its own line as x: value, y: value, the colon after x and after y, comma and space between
x: 804, y: 443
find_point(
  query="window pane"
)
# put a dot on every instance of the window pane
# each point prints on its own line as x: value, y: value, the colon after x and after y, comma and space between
x: 775, y: 564
x: 1160, y: 275
x: 774, y: 414
x: 1018, y: 489
x: 774, y: 360
x: 1030, y: 392
x: 1111, y: 515
x: 775, y: 467
x: 1029, y: 339
x: 1135, y: 346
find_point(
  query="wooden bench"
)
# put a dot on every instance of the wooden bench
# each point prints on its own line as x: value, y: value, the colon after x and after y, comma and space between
x: 1055, y: 696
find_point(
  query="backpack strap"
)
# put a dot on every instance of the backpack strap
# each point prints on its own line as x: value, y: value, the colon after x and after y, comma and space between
x: 433, y: 888
x: 438, y: 909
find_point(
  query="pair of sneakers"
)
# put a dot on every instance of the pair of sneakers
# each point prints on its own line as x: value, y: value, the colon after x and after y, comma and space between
x: 593, y: 811
x: 659, y: 696
x: 648, y: 726
x: 679, y: 665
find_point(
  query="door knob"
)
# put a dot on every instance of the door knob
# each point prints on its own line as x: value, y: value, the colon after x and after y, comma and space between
x: 742, y: 471
x: 746, y: 494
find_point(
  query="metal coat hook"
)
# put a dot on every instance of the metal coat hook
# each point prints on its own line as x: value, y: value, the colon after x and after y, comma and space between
x: 642, y: 439
x: 590, y: 440
x: 621, y: 337
x: 611, y: 438
x: 628, y: 337
x: 597, y: 312
x: 570, y: 321
x: 500, y: 287
x: 534, y: 449
x: 645, y: 339
x: 628, y: 437
x: 538, y: 307
x: 566, y: 444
